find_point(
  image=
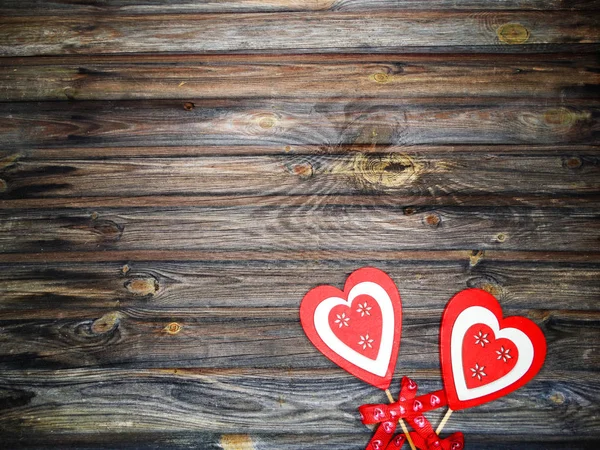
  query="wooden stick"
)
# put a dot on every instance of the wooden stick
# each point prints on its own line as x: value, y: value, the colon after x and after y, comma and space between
x: 389, y: 395
x: 401, y: 422
x: 443, y: 422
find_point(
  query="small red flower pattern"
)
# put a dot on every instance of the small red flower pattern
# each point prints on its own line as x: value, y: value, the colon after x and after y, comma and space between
x: 485, y: 358
x: 358, y: 326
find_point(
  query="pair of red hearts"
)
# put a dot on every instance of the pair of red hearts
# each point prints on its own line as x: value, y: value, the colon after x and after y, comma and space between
x: 483, y: 355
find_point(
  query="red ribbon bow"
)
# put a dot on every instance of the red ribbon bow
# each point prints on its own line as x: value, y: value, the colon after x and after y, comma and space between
x: 411, y: 408
x: 455, y: 441
x: 408, y: 406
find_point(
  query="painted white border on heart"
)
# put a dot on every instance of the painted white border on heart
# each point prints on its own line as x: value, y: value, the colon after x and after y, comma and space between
x: 376, y: 366
x: 478, y: 314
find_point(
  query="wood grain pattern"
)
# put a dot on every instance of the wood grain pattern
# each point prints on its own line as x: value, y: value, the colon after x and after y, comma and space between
x: 264, y: 400
x: 65, y: 289
x: 175, y: 175
x: 212, y: 441
x: 410, y: 177
x: 301, y: 255
x: 304, y: 76
x: 68, y: 7
x: 298, y: 228
x: 246, y: 338
x: 387, y: 31
x: 328, y: 123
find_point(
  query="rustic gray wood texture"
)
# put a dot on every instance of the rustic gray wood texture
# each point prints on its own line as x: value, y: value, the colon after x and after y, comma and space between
x: 409, y: 176
x: 297, y: 228
x: 324, y: 122
x: 376, y: 32
x: 175, y: 175
x: 66, y: 7
x: 229, y: 76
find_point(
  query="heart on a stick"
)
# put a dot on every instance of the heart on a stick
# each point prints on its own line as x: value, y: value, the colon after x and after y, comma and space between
x: 358, y: 328
x: 484, y: 356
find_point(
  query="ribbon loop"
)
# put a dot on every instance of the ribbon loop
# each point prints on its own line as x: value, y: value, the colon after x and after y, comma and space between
x: 370, y: 414
x: 408, y: 407
x: 455, y: 441
x: 407, y: 404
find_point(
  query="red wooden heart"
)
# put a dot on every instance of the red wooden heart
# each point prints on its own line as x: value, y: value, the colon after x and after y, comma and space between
x: 484, y: 356
x: 359, y: 329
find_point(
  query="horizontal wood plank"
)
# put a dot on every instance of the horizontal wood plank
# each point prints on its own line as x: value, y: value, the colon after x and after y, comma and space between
x: 101, y: 402
x: 298, y: 229
x: 328, y: 124
x: 248, y: 338
x: 412, y: 177
x: 45, y: 154
x: 70, y: 7
x: 300, y: 255
x: 255, y: 441
x: 382, y: 76
x: 386, y: 31
x: 414, y: 200
x: 53, y: 289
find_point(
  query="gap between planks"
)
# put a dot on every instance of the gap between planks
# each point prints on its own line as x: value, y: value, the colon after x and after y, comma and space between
x: 379, y: 255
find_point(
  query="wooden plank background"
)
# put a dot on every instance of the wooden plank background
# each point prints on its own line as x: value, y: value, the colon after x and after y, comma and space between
x: 175, y: 175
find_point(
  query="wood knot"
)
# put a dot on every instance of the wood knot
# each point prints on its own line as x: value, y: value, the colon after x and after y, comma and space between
x: 560, y: 117
x: 188, y: 106
x: 513, y: 33
x: 488, y: 284
x: 409, y: 210
x: 432, y: 220
x: 9, y: 160
x: 304, y: 170
x: 381, y: 77
x: 142, y: 286
x: 109, y: 230
x: 500, y: 237
x: 267, y: 122
x: 492, y: 288
x: 572, y: 162
x: 384, y: 171
x: 557, y: 398
x: 106, y: 323
x: 236, y: 442
x: 101, y: 230
x: 172, y: 328
x: 475, y: 257
x: 125, y: 269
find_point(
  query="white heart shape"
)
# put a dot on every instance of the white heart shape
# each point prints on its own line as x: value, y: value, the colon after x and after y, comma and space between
x: 475, y: 315
x: 376, y: 366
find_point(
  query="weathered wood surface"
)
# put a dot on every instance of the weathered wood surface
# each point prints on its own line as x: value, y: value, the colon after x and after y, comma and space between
x: 328, y: 123
x: 409, y: 177
x: 298, y: 229
x: 306, y: 32
x: 68, y: 7
x: 175, y: 175
x: 305, y: 441
x: 33, y: 290
x: 245, y: 338
x: 383, y: 76
x: 302, y: 255
x: 267, y: 401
